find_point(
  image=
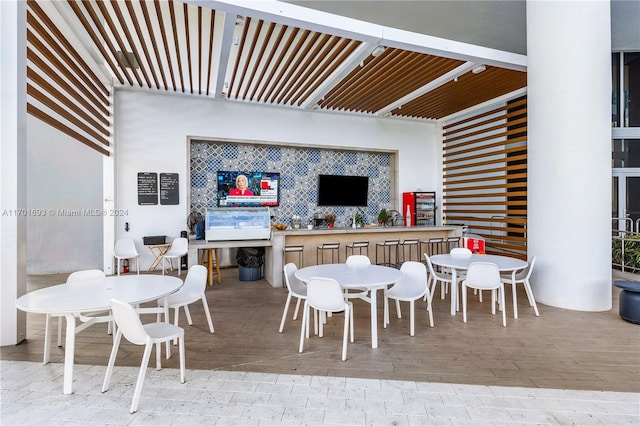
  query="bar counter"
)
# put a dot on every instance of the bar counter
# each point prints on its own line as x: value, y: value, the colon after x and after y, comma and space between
x: 312, y: 238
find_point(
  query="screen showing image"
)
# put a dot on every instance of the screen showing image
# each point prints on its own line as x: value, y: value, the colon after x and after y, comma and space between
x: 248, y: 189
x: 350, y: 191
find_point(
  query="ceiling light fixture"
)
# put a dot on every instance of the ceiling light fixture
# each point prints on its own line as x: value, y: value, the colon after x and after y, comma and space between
x: 379, y: 50
x: 479, y: 69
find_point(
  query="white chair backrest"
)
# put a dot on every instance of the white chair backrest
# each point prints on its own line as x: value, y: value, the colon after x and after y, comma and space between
x: 358, y: 259
x: 460, y: 252
x: 294, y: 285
x: 530, y: 268
x: 432, y: 272
x: 483, y: 275
x: 196, y: 280
x: 179, y: 246
x: 89, y: 274
x: 414, y: 278
x: 128, y: 322
x: 125, y: 248
x: 325, y: 294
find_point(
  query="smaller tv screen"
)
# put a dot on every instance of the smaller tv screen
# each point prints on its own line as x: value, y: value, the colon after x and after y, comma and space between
x: 248, y: 189
x: 349, y: 191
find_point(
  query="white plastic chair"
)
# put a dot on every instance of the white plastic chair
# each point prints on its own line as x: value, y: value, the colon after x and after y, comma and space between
x: 325, y: 295
x: 413, y: 286
x: 296, y: 288
x: 460, y: 252
x: 484, y: 276
x: 75, y: 276
x: 193, y: 290
x: 179, y: 247
x: 357, y: 259
x: 124, y: 248
x: 134, y: 331
x: 435, y: 277
x: 522, y: 277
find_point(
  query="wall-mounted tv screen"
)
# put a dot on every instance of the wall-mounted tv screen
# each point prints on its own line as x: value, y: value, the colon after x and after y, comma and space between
x: 248, y: 189
x: 350, y: 191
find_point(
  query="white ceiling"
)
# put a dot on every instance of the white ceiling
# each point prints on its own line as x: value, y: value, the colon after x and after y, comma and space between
x: 498, y: 24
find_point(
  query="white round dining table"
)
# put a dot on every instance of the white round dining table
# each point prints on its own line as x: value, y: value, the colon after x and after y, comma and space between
x: 457, y: 263
x: 370, y: 277
x: 90, y: 296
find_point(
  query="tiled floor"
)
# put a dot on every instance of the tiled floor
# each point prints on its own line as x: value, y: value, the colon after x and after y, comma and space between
x: 564, y: 367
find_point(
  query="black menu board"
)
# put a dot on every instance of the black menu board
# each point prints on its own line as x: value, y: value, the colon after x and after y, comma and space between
x: 147, y: 189
x: 169, y: 189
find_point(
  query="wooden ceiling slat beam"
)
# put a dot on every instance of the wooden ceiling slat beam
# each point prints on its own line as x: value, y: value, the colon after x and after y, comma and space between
x: 210, y: 49
x: 97, y: 42
x: 154, y: 44
x: 263, y: 69
x: 263, y: 83
x: 98, y: 111
x: 165, y: 43
x: 43, y: 116
x: 311, y: 52
x: 132, y: 45
x: 141, y: 39
x: 66, y: 51
x: 250, y: 62
x: 188, y: 42
x: 288, y: 66
x: 176, y: 42
x: 326, y: 59
x: 116, y: 35
x: 279, y: 64
x: 55, y: 107
x: 297, y: 55
x: 451, y: 182
x: 452, y: 128
x: 243, y: 39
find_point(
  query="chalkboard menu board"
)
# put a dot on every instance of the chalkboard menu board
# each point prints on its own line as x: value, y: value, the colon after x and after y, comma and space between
x: 169, y: 189
x: 147, y: 189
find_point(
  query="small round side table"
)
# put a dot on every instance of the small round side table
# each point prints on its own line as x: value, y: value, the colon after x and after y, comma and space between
x: 629, y: 307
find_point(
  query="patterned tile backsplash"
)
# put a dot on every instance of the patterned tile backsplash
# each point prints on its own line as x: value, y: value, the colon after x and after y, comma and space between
x: 299, y: 169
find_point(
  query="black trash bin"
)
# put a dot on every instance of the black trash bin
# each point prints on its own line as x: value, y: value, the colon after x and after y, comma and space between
x: 250, y: 261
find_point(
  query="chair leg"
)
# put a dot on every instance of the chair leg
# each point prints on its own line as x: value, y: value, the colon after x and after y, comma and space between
x: 295, y: 313
x: 398, y: 311
x: 286, y: 309
x: 207, y: 313
x: 386, y: 312
x: 304, y: 328
x: 112, y: 361
x: 532, y: 300
x: 159, y: 356
x: 182, y: 363
x: 47, y: 340
x: 347, y: 315
x: 351, y: 322
x: 59, y: 331
x: 175, y: 322
x: 188, y: 314
x: 464, y: 303
x: 429, y: 308
x: 412, y: 315
x: 141, y: 376
x: 504, y: 310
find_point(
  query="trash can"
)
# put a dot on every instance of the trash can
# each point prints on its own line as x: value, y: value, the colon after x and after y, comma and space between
x: 250, y: 261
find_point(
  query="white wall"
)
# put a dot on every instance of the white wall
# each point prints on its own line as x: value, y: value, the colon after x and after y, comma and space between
x: 152, y: 131
x: 62, y: 175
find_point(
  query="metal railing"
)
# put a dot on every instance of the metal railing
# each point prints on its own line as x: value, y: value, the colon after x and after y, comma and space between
x: 625, y: 251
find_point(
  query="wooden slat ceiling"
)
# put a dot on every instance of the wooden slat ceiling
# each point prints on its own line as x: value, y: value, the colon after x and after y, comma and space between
x: 171, y: 46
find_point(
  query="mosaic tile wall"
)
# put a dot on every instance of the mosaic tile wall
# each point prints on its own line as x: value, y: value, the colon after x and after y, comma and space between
x: 299, y: 169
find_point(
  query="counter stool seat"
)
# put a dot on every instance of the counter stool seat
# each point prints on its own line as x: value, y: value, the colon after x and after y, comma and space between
x: 295, y: 248
x: 333, y: 247
x: 410, y: 244
x: 434, y: 246
x: 360, y: 246
x: 389, y: 253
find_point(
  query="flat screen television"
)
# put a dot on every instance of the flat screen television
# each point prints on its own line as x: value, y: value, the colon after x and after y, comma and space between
x: 349, y: 191
x: 262, y: 189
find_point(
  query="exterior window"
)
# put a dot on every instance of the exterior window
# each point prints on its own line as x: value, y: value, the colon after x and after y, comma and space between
x: 626, y: 153
x: 625, y: 90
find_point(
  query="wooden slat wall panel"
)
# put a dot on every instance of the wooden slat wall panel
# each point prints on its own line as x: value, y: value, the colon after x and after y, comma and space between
x: 485, y: 176
x: 62, y: 89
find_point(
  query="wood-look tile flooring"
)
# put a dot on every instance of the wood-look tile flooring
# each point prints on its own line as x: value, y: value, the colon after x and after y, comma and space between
x: 560, y: 349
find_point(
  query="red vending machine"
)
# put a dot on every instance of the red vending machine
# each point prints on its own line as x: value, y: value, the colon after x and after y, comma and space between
x: 419, y: 208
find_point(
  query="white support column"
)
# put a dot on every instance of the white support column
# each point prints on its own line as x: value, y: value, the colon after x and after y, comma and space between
x: 13, y: 110
x: 569, y: 97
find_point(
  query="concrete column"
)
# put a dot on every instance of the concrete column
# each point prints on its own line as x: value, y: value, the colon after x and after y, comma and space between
x: 569, y: 96
x: 13, y: 215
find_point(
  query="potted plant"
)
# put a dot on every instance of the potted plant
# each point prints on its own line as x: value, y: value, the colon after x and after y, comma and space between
x: 359, y: 219
x: 331, y: 219
x: 383, y: 216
